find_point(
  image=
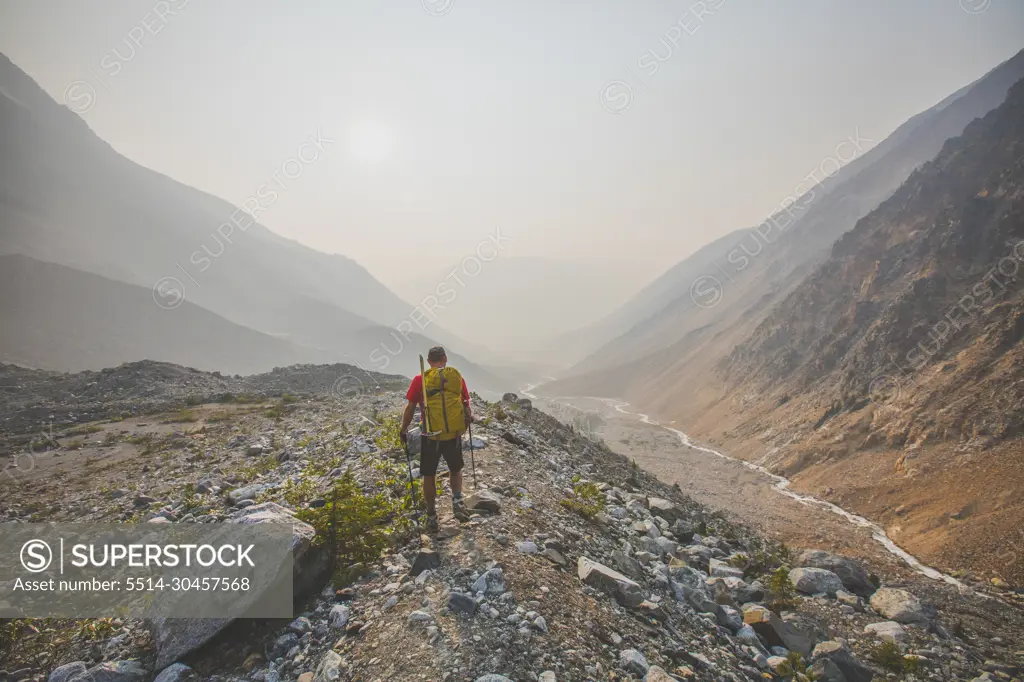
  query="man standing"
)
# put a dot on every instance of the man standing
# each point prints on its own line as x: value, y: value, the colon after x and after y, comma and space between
x: 445, y: 408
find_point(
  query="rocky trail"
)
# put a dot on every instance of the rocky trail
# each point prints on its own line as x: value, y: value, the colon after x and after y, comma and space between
x: 576, y: 564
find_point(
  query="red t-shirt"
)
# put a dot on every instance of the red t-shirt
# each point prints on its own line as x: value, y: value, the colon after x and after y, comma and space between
x: 415, y: 392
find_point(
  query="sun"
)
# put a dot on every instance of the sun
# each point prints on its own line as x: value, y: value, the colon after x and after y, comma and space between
x: 370, y: 142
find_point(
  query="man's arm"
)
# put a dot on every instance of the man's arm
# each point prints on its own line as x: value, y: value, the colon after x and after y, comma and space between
x: 465, y: 404
x: 410, y: 410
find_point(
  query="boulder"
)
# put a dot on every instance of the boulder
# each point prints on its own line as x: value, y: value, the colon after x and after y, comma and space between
x: 491, y: 583
x: 633, y: 661
x: 831, y: 656
x: 898, y: 605
x: 656, y: 674
x: 815, y: 581
x: 426, y: 559
x: 853, y: 575
x: 485, y: 502
x: 176, y: 637
x: 112, y: 671
x: 177, y: 672
x: 611, y: 582
x: 248, y: 492
x: 339, y: 616
x: 887, y: 631
x: 66, y: 672
x: 627, y: 565
x: 775, y: 631
x: 720, y: 569
x: 663, y: 508
x: 329, y: 669
x: 461, y: 603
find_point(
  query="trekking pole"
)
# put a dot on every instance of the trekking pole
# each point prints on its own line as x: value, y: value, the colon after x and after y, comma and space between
x: 472, y: 458
x: 412, y: 484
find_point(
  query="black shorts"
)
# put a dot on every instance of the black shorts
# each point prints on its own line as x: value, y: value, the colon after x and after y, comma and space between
x: 433, y: 450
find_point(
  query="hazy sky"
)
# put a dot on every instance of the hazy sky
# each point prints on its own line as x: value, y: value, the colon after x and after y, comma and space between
x: 453, y: 117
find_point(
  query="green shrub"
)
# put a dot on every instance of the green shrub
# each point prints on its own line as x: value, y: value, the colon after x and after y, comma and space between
x: 586, y: 500
x: 781, y: 593
x: 794, y: 665
x: 388, y: 438
x: 888, y: 656
x: 353, y: 527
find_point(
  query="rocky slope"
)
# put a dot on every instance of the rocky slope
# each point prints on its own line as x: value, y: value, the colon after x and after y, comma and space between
x: 907, y: 342
x: 887, y: 381
x: 575, y: 565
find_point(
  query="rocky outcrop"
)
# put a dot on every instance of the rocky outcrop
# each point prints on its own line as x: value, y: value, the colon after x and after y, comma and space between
x: 852, y: 574
x: 899, y: 605
x: 176, y: 637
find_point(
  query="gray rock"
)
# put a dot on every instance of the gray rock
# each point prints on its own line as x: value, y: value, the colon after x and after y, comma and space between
x: 849, y: 667
x: 462, y: 603
x: 555, y: 557
x: 547, y: 676
x: 248, y: 492
x: 419, y: 618
x: 729, y: 617
x: 329, y: 669
x: 426, y: 559
x: 527, y: 547
x: 599, y: 576
x: 848, y: 599
x: 176, y: 637
x: 493, y: 678
x: 339, y: 616
x: 67, y: 671
x: 663, y: 508
x: 300, y: 625
x: 720, y: 569
x: 283, y: 644
x: 633, y: 661
x: 887, y: 631
x: 491, y: 583
x: 627, y: 565
x: 485, y: 502
x: 898, y: 605
x: 175, y: 672
x: 656, y: 674
x: 775, y: 631
x: 853, y: 575
x: 113, y: 671
x: 815, y: 581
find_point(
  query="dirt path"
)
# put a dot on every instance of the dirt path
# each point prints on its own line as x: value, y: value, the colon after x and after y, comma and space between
x: 727, y: 485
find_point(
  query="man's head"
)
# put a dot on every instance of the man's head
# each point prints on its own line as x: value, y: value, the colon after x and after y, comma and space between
x: 436, y: 357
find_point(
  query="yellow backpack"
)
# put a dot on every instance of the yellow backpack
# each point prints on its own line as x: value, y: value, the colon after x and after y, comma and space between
x: 442, y: 396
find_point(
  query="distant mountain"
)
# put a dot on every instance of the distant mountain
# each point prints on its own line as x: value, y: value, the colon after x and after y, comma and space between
x: 67, y: 197
x: 518, y: 305
x: 712, y: 300
x: 55, y: 317
x: 890, y: 378
x: 894, y: 373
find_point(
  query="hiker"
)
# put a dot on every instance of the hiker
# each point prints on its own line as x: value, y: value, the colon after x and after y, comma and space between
x: 448, y: 413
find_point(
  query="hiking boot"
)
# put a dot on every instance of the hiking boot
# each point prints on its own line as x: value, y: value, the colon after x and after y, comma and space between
x: 432, y: 523
x: 460, y: 510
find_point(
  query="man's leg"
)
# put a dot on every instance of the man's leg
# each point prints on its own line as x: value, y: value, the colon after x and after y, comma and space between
x: 430, y: 493
x: 453, y: 457
x: 430, y: 455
